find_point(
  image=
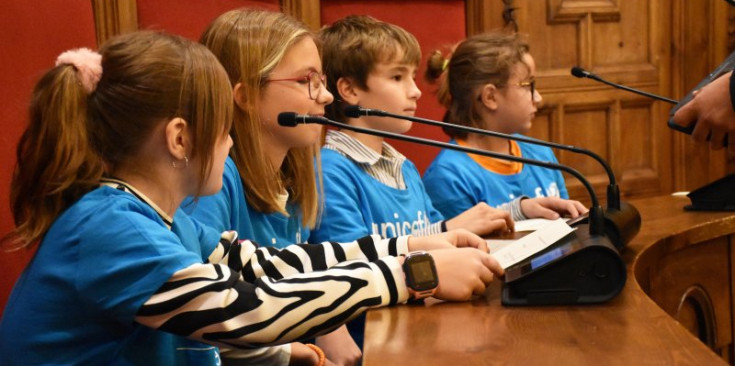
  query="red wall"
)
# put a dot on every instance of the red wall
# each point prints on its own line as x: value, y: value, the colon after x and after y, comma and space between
x: 32, y: 34
x: 189, y: 18
x: 436, y: 24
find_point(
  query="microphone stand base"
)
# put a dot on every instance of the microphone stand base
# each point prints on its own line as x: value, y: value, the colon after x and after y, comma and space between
x: 716, y: 196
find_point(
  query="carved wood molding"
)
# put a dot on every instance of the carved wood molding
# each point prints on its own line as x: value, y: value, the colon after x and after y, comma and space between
x: 113, y: 17
x: 308, y: 11
x: 565, y: 11
x: 702, y: 324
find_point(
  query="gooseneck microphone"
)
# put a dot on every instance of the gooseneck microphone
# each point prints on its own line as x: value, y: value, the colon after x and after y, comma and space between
x: 582, y: 73
x: 596, y: 219
x: 623, y: 220
x: 613, y: 192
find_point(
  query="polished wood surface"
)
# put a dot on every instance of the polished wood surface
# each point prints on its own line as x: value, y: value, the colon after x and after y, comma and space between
x: 632, y: 329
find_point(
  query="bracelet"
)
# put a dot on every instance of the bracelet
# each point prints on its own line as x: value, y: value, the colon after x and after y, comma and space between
x: 319, y: 352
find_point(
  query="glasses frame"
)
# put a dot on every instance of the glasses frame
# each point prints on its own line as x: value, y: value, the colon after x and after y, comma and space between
x: 322, y: 78
x: 532, y: 84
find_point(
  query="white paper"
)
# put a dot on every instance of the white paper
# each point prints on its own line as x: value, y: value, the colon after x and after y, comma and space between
x: 531, y: 224
x: 494, y: 245
x: 532, y: 243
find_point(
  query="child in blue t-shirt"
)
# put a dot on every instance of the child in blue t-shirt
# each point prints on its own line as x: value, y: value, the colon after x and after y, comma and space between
x: 488, y: 83
x: 269, y: 189
x: 369, y: 187
x: 120, y: 275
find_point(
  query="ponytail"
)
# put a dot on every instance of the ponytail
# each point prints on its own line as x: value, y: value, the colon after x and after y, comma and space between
x: 55, y: 164
x: 84, y: 121
x: 436, y: 71
x: 477, y: 61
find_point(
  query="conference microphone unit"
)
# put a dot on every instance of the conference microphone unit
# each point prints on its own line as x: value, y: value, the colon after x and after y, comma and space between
x: 583, y: 267
x: 718, y: 195
x: 622, y: 220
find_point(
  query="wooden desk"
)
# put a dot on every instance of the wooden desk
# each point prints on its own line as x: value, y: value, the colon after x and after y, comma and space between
x: 678, y: 264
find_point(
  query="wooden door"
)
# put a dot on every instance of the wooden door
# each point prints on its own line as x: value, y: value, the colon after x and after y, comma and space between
x: 653, y: 45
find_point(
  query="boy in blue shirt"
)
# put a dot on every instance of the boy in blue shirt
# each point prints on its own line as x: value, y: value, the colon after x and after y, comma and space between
x: 369, y: 187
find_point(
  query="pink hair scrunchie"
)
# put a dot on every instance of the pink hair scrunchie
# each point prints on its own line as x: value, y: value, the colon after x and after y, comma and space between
x: 88, y: 64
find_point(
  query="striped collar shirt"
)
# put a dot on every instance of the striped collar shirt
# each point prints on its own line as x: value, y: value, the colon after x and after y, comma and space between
x: 385, y: 167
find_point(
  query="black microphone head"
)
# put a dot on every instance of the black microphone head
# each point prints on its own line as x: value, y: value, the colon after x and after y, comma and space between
x: 287, y: 119
x: 580, y: 72
x: 353, y: 111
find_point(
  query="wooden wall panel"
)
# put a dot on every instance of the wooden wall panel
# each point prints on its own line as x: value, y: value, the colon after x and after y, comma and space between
x: 584, y: 125
x: 113, y: 17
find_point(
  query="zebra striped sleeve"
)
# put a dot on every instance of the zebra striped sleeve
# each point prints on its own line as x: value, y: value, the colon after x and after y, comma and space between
x: 255, y: 262
x: 211, y: 302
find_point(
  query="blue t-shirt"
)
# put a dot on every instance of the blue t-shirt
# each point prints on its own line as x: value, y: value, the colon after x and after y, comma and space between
x: 99, y: 262
x: 456, y: 183
x: 356, y: 204
x: 229, y: 210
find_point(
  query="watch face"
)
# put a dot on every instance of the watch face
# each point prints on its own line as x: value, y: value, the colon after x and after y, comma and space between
x: 421, y: 274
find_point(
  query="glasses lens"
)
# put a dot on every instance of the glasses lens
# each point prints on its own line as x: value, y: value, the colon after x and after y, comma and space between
x: 314, y: 84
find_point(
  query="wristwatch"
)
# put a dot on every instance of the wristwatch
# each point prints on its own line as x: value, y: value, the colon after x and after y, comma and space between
x: 421, y: 277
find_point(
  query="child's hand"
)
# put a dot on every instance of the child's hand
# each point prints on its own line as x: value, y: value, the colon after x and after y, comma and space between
x: 454, y: 238
x: 339, y: 347
x: 482, y: 220
x: 302, y: 355
x: 551, y: 207
x: 463, y: 272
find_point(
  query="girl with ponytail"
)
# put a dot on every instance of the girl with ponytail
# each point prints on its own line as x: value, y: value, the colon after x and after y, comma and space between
x: 488, y: 82
x: 121, y: 275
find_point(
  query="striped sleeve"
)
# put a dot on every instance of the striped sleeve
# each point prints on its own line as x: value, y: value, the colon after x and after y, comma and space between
x: 254, y: 262
x: 262, y: 296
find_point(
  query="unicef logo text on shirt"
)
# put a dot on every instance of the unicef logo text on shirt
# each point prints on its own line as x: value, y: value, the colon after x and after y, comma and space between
x: 400, y: 227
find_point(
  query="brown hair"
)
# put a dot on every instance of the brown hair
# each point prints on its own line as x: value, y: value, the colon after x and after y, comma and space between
x: 477, y: 61
x: 250, y: 44
x: 352, y: 46
x: 74, y: 136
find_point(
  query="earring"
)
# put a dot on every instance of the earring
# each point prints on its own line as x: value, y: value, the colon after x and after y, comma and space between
x: 186, y: 163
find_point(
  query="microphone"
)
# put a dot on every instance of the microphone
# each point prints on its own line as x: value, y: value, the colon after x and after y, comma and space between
x: 582, y: 73
x: 583, y: 267
x: 622, y: 219
x: 595, y: 216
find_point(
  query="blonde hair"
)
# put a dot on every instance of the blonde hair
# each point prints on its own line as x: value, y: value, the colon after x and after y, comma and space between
x: 352, y: 46
x: 477, y: 61
x: 250, y: 44
x: 74, y: 136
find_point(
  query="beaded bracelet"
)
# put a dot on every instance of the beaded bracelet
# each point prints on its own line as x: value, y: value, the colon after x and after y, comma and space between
x: 319, y: 352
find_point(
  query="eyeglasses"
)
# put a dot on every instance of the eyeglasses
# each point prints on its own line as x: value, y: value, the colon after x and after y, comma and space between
x: 314, y: 81
x: 532, y: 84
